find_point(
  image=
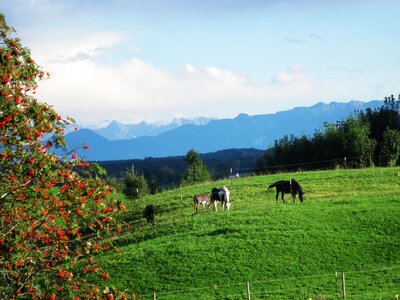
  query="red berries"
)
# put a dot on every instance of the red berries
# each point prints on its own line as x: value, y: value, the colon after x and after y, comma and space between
x: 61, y: 274
x: 96, y: 248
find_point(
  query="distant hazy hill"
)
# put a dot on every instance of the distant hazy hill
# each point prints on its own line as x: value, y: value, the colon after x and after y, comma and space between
x: 244, y: 131
x: 118, y: 131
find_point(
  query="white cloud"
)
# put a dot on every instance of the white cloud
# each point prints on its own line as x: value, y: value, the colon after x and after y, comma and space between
x: 135, y: 49
x: 190, y: 69
x: 67, y: 49
x: 224, y: 75
x: 294, y: 77
x: 134, y: 90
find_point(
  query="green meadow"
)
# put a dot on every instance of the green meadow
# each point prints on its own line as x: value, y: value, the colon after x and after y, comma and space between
x: 349, y: 223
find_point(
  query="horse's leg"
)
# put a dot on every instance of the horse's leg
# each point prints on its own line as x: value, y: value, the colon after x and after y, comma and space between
x: 215, y: 205
x: 283, y: 199
x: 277, y: 195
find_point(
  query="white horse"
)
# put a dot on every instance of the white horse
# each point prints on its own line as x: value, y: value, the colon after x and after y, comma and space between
x: 220, y: 195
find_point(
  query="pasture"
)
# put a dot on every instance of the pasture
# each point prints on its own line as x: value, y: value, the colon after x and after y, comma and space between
x: 349, y: 222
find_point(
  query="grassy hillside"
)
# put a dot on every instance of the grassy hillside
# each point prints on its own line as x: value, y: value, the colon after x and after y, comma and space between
x: 349, y: 222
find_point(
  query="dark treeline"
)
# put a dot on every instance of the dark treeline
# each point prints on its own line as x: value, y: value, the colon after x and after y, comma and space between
x: 371, y: 137
x: 167, y: 172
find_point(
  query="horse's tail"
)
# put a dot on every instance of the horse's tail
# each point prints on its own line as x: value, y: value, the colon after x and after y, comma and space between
x: 272, y: 185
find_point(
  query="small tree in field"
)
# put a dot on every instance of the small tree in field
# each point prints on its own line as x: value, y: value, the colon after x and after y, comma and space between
x: 55, y: 212
x: 196, y: 171
x: 135, y: 185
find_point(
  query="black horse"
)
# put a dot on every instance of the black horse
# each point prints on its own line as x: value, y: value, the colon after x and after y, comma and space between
x: 286, y: 186
x: 149, y: 213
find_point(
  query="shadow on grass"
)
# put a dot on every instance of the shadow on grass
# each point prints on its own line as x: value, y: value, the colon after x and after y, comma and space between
x: 222, y: 231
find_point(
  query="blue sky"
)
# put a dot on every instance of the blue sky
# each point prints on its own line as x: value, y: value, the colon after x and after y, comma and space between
x: 155, y: 60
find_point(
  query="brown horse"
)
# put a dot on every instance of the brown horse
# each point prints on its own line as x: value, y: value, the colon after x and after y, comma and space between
x: 286, y: 186
x: 200, y: 199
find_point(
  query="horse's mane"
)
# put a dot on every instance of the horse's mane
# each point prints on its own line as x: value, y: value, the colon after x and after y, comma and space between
x: 296, y: 185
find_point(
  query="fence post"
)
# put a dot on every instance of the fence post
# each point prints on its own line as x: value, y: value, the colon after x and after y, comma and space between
x: 181, y: 205
x: 154, y: 295
x: 343, y: 286
x: 248, y: 290
x: 337, y: 288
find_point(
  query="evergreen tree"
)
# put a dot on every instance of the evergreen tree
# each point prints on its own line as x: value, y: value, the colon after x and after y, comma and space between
x: 153, y: 185
x: 196, y: 171
x: 135, y: 185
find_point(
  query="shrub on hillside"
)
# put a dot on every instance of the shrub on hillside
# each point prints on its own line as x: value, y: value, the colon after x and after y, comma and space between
x: 134, y: 185
x: 196, y: 171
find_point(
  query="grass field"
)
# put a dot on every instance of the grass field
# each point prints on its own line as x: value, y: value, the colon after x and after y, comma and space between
x: 349, y: 222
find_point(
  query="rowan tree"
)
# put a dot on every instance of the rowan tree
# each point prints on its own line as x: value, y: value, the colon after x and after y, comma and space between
x: 56, y: 214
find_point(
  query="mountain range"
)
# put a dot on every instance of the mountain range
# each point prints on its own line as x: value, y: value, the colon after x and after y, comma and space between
x: 244, y: 131
x: 119, y: 131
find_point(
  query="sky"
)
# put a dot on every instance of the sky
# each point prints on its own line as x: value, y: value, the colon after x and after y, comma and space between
x: 156, y: 60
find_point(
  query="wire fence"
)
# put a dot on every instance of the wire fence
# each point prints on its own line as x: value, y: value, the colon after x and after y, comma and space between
x: 381, y: 283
